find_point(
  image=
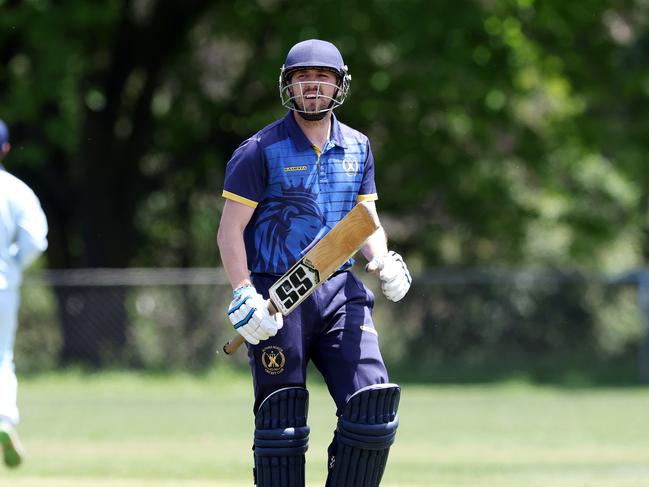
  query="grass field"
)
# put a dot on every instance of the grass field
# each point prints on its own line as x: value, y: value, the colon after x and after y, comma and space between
x: 130, y: 430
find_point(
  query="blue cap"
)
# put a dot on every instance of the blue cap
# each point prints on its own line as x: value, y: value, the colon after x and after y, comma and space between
x: 315, y: 53
x: 4, y: 133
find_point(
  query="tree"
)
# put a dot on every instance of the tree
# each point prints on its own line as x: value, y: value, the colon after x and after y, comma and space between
x: 497, y: 136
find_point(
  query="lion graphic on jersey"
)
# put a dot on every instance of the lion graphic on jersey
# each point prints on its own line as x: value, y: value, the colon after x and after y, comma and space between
x: 289, y: 223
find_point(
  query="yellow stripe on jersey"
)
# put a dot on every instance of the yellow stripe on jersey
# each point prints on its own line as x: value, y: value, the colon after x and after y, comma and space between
x: 367, y: 197
x: 240, y: 199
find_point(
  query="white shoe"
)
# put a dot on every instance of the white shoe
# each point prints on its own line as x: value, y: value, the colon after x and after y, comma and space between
x: 11, y: 447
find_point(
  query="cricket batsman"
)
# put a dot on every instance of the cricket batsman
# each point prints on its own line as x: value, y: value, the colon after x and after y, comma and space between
x: 285, y: 187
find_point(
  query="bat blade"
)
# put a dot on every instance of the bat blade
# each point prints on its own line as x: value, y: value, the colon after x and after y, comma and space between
x: 318, y: 264
x: 325, y: 258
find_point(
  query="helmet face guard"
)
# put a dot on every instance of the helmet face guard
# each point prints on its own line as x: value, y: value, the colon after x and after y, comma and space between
x: 313, y: 54
x: 291, y: 93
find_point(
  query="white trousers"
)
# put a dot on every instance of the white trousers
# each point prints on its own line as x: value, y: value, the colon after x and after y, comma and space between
x: 9, y: 304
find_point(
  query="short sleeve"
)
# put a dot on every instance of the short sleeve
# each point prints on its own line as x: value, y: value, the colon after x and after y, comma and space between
x: 367, y: 191
x: 245, y: 174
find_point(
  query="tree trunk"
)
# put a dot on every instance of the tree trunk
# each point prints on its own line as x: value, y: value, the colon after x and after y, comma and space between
x: 114, y: 139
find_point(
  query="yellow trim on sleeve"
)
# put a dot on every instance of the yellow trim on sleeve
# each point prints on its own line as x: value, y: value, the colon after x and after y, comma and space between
x: 239, y: 199
x: 367, y: 197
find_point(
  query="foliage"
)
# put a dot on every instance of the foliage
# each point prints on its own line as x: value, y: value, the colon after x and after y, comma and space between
x: 506, y: 132
x: 510, y: 131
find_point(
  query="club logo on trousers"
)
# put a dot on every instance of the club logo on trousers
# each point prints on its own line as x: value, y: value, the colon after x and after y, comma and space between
x: 273, y: 360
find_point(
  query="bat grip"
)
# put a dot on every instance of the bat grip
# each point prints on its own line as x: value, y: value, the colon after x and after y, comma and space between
x: 230, y: 347
x: 233, y: 345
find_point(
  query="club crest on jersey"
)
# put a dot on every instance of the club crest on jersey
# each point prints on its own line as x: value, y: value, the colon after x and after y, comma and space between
x: 350, y: 166
x: 273, y: 360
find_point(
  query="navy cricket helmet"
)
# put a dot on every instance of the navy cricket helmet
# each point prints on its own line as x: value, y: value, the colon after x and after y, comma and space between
x: 313, y: 53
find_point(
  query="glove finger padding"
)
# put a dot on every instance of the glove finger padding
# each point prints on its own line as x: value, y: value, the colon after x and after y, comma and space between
x: 375, y: 265
x: 266, y: 324
x: 391, y: 269
x: 247, y: 336
x: 279, y: 319
x: 250, y: 317
x: 394, y: 275
x: 395, y: 290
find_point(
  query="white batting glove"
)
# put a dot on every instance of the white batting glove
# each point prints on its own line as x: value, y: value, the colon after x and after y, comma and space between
x: 250, y: 317
x: 394, y: 275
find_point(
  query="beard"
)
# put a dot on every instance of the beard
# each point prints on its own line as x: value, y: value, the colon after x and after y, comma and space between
x: 313, y: 107
x: 312, y: 103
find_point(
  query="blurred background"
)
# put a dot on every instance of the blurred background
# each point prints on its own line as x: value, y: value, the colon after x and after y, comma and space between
x: 510, y: 161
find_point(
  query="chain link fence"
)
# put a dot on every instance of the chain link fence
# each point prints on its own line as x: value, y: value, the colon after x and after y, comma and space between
x: 453, y: 324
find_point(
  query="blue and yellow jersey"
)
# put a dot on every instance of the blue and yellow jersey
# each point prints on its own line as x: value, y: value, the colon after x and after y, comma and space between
x: 299, y: 191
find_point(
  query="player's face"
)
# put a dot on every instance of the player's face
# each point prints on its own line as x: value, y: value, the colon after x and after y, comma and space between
x: 313, y: 89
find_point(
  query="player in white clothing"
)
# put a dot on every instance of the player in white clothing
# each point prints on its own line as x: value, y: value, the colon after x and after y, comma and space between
x: 23, y: 237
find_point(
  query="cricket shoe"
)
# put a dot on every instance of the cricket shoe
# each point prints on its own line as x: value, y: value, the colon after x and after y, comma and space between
x: 11, y: 447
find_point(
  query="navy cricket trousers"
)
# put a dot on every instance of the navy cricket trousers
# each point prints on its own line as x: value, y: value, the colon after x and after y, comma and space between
x: 333, y: 328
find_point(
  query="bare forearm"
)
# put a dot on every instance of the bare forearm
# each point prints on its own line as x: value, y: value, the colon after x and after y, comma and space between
x: 376, y: 245
x: 388, y: 266
x: 231, y: 244
x: 233, y: 257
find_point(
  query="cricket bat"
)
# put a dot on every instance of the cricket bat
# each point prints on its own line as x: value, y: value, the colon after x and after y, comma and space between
x: 318, y: 264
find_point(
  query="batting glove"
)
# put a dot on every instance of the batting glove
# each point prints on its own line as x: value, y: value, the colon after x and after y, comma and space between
x: 394, y: 275
x: 250, y: 317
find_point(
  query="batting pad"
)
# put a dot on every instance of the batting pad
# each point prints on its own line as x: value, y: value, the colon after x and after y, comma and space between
x: 365, y: 432
x: 281, y: 438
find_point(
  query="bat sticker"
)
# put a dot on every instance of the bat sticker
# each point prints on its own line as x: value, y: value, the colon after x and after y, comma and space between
x: 294, y: 287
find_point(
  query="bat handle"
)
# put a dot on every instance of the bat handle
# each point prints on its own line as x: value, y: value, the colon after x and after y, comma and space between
x: 230, y: 347
x: 233, y: 345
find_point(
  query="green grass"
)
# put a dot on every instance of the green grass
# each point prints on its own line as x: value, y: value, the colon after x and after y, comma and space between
x: 131, y: 430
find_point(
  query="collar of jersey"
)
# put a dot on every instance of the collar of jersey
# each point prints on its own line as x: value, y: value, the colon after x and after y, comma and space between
x: 300, y: 140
